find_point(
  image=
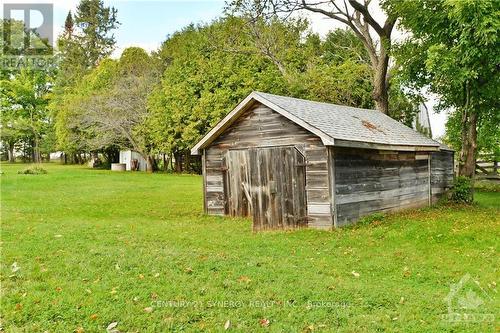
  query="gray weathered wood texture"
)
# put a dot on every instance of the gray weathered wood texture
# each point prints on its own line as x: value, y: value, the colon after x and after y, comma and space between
x: 442, y: 173
x: 267, y: 184
x: 262, y: 127
x: 369, y: 181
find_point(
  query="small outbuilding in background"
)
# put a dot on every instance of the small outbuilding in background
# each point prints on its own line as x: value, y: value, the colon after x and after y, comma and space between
x: 132, y: 160
x: 290, y: 163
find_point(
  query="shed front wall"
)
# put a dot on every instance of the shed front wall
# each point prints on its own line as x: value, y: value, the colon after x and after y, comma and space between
x: 368, y: 181
x: 260, y: 126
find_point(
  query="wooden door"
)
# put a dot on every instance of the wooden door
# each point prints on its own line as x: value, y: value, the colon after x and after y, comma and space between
x: 237, y: 183
x: 268, y: 184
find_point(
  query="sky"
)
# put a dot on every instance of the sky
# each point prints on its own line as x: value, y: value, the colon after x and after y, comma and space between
x: 147, y: 23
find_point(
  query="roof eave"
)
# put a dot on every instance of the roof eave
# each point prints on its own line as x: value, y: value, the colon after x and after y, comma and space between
x: 222, y: 125
x: 385, y: 146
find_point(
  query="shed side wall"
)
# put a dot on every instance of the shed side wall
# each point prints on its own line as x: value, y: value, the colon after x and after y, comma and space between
x: 369, y: 181
x: 262, y: 127
x: 442, y: 173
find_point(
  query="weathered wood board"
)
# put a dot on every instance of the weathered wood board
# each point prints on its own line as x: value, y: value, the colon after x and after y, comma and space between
x: 269, y: 185
x: 369, y: 181
x: 442, y: 173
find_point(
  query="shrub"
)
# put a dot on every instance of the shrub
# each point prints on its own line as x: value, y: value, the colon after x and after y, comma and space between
x: 34, y: 170
x: 462, y: 191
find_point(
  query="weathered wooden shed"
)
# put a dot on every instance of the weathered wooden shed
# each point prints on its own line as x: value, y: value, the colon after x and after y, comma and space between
x: 290, y: 162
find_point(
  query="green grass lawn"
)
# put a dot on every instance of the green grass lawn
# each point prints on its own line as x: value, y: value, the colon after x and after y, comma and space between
x: 94, y: 247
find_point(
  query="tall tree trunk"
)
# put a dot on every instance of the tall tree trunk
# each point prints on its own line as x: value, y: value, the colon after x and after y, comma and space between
x: 150, y: 163
x: 380, y: 67
x: 360, y: 20
x: 187, y: 161
x: 165, y: 162
x: 381, y: 91
x: 178, y: 162
x: 10, y: 152
x: 467, y: 160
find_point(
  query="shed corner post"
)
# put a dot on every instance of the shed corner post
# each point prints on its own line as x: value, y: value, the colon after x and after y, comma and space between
x: 204, y: 176
x: 331, y: 175
x: 430, y: 175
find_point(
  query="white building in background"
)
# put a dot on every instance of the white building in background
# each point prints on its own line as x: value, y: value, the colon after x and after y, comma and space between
x: 127, y: 156
x: 422, y: 122
x: 56, y: 155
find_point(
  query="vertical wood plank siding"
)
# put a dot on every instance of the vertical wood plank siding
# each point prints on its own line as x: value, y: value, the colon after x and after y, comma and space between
x: 262, y: 127
x: 442, y: 174
x: 369, y: 181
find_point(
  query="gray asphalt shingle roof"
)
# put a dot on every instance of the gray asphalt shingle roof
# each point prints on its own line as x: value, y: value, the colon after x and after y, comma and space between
x: 348, y: 123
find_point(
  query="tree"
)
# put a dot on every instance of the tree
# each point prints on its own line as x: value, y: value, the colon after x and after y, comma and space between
x: 453, y: 48
x: 488, y: 133
x: 210, y: 68
x: 86, y: 41
x: 355, y: 15
x: 112, y: 106
x: 24, y: 100
x: 11, y: 133
x: 95, y: 24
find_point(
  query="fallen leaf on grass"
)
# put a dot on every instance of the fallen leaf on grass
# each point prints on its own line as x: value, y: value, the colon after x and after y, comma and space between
x: 227, y: 325
x: 264, y: 322
x: 80, y: 330
x: 148, y: 309
x: 157, y: 275
x: 244, y: 278
x: 355, y: 274
x: 309, y: 328
x: 112, y: 327
x: 141, y: 276
x: 15, y: 267
x: 19, y: 306
x: 93, y: 316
